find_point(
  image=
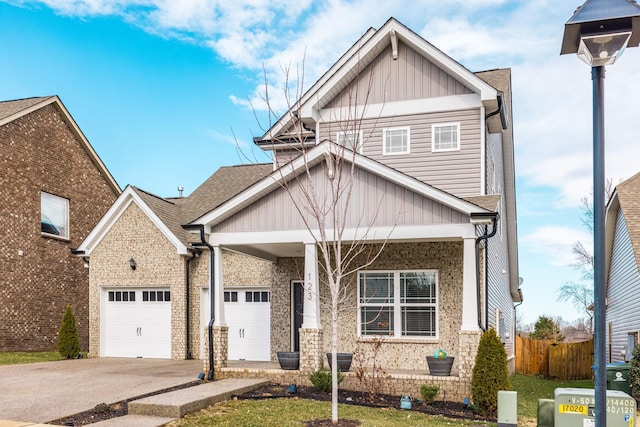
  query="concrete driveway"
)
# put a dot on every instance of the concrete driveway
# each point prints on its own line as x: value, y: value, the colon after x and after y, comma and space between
x: 43, y: 392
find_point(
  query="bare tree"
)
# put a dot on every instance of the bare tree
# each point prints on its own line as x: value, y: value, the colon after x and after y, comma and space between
x: 325, y: 200
x: 581, y: 296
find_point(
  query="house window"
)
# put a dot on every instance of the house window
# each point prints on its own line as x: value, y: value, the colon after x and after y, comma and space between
x: 156, y: 296
x: 230, y: 296
x: 398, y: 303
x: 396, y: 141
x: 257, y: 296
x: 352, y: 140
x: 445, y: 137
x: 54, y: 215
x: 122, y: 296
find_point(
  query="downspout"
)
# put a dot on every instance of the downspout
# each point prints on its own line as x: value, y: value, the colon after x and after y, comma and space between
x: 486, y: 236
x: 203, y: 241
x: 187, y: 279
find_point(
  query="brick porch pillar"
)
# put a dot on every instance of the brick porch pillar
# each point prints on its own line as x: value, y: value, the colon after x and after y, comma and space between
x: 468, y: 342
x: 310, y: 349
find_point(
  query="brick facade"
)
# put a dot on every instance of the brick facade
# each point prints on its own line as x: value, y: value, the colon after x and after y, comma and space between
x: 39, y: 152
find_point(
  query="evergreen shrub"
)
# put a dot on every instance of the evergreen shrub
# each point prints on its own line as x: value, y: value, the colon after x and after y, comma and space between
x: 634, y: 373
x: 68, y: 342
x: 490, y: 373
x: 321, y: 380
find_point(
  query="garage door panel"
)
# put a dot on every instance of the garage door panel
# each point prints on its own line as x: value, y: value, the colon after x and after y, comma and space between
x: 249, y: 324
x: 137, y: 327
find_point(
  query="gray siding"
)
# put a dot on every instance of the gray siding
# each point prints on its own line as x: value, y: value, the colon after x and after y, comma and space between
x: 374, y: 202
x: 411, y: 76
x: 499, y: 296
x: 456, y: 172
x: 623, y: 295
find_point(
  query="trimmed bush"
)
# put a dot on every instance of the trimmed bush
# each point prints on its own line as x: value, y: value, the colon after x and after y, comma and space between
x: 68, y: 342
x: 634, y: 373
x: 490, y: 373
x: 321, y: 380
x: 429, y: 392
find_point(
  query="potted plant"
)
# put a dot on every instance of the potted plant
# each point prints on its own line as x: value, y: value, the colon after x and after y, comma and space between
x: 289, y: 360
x: 440, y: 363
x: 344, y: 361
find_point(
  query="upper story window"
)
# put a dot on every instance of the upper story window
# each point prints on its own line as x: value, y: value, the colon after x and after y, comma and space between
x: 445, y: 137
x: 398, y: 303
x: 396, y: 140
x: 54, y: 215
x: 352, y: 140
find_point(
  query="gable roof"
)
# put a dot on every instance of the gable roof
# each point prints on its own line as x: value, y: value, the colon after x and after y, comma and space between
x: 313, y: 157
x: 169, y: 215
x: 360, y: 55
x: 626, y: 197
x: 13, y: 110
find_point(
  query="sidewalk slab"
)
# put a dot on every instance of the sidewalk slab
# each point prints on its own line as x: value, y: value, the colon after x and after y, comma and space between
x: 133, y: 421
x: 178, y: 403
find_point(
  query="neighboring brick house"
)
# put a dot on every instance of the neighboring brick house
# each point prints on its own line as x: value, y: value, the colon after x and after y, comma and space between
x: 55, y: 188
x: 431, y: 152
x: 622, y: 269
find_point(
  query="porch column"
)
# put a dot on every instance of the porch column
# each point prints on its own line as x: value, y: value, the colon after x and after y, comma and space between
x: 311, y: 317
x: 469, y: 287
x: 218, y: 288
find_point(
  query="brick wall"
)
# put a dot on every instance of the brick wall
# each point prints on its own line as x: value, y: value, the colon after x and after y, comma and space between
x: 39, y: 152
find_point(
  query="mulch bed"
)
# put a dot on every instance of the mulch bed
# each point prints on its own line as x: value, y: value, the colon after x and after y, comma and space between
x: 447, y: 409
x: 456, y: 410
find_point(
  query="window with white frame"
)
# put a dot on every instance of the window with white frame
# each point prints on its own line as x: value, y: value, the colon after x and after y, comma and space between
x: 54, y: 215
x: 351, y: 139
x: 398, y: 303
x: 445, y: 137
x: 395, y: 140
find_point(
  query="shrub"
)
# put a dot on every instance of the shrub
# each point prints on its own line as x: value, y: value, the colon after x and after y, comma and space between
x: 321, y: 380
x: 371, y: 379
x: 634, y: 373
x: 490, y: 373
x: 68, y: 342
x: 429, y: 392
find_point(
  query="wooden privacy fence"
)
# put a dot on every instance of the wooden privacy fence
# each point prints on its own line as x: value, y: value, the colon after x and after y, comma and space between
x: 565, y: 361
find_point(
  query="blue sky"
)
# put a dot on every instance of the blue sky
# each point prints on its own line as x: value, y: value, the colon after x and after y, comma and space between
x: 161, y: 89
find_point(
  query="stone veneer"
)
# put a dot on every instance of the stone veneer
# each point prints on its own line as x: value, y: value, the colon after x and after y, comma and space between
x: 310, y: 349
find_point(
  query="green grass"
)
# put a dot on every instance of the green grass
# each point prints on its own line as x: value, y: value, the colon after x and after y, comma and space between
x: 295, y: 412
x: 17, y: 357
x: 531, y: 388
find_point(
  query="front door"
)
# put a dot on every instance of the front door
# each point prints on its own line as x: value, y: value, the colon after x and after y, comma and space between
x: 297, y: 313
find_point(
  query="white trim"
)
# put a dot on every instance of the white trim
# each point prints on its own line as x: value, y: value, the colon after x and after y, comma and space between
x: 44, y: 195
x: 114, y: 213
x: 397, y: 305
x: 394, y: 129
x: 403, y: 108
x: 378, y: 234
x: 433, y: 137
x: 483, y: 150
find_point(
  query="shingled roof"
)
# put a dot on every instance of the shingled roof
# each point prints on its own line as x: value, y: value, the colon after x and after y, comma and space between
x: 9, y: 108
x: 225, y: 183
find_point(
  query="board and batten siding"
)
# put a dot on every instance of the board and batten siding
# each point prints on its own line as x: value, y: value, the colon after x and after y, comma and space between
x: 457, y: 172
x: 374, y: 202
x: 411, y: 76
x: 623, y: 294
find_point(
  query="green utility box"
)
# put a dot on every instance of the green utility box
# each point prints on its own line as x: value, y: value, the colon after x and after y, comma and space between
x: 575, y: 407
x: 618, y: 377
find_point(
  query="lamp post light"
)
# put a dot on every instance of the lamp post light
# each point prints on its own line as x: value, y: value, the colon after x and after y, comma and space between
x: 598, y: 33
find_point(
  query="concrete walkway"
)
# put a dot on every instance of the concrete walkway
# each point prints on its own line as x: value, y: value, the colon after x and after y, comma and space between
x: 42, y: 392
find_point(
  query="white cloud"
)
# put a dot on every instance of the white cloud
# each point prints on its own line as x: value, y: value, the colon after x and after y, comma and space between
x: 554, y: 243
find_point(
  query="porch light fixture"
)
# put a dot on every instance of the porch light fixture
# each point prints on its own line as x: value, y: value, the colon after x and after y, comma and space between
x: 132, y: 263
x: 598, y: 32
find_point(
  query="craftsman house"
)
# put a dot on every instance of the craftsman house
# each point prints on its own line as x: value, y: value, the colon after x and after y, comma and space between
x: 424, y: 149
x: 55, y: 189
x: 622, y: 269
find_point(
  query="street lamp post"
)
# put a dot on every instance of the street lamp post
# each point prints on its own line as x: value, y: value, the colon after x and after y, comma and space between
x: 598, y: 33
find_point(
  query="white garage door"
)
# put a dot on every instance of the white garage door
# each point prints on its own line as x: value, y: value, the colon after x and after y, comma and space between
x: 247, y: 313
x: 137, y: 323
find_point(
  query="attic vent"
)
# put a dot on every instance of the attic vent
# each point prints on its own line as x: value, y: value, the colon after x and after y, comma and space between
x: 180, y: 190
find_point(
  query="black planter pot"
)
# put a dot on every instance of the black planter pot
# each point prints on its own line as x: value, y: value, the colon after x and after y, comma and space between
x: 440, y: 366
x: 344, y: 361
x: 289, y: 360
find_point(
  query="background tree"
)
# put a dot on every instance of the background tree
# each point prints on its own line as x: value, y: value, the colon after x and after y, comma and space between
x: 68, y: 342
x: 546, y: 329
x: 581, y: 294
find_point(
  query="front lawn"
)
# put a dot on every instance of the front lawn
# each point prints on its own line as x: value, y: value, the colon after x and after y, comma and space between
x: 296, y: 411
x: 19, y: 357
